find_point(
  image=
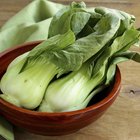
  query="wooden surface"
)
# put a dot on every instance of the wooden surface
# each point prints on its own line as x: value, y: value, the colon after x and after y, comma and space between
x: 122, y: 120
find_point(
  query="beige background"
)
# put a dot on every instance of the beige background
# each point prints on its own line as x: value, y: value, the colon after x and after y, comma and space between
x: 122, y: 120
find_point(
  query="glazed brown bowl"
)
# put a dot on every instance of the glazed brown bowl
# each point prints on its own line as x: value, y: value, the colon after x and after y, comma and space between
x: 44, y: 123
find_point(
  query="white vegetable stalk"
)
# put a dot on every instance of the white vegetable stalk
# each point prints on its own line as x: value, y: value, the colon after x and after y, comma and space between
x: 70, y: 93
x: 26, y: 89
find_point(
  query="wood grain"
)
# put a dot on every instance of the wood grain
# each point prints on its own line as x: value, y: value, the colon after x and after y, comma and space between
x: 122, y: 120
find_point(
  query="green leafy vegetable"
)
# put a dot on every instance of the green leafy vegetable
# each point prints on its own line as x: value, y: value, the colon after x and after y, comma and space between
x: 77, y: 61
x: 73, y: 17
x: 33, y: 75
x: 75, y: 90
x: 72, y: 57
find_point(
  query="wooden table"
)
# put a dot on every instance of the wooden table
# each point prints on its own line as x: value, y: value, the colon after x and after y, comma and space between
x: 122, y: 120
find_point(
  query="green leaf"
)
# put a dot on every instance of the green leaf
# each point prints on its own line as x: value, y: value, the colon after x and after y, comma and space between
x: 124, y: 41
x: 88, y: 29
x: 135, y: 56
x: 78, y: 21
x: 72, y: 18
x: 57, y: 42
x: 118, y: 58
x: 127, y: 20
x: 72, y: 57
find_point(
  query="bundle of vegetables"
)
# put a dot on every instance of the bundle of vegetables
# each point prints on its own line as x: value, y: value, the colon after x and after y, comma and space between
x: 79, y: 59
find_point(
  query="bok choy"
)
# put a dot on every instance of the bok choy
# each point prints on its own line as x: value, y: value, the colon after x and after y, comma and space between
x: 78, y: 60
x: 74, y: 90
x: 34, y: 78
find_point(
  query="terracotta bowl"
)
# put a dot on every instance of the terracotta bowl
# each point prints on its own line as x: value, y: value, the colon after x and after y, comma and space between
x: 54, y: 123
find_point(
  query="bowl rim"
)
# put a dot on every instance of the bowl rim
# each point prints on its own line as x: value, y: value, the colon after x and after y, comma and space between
x: 114, y: 91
